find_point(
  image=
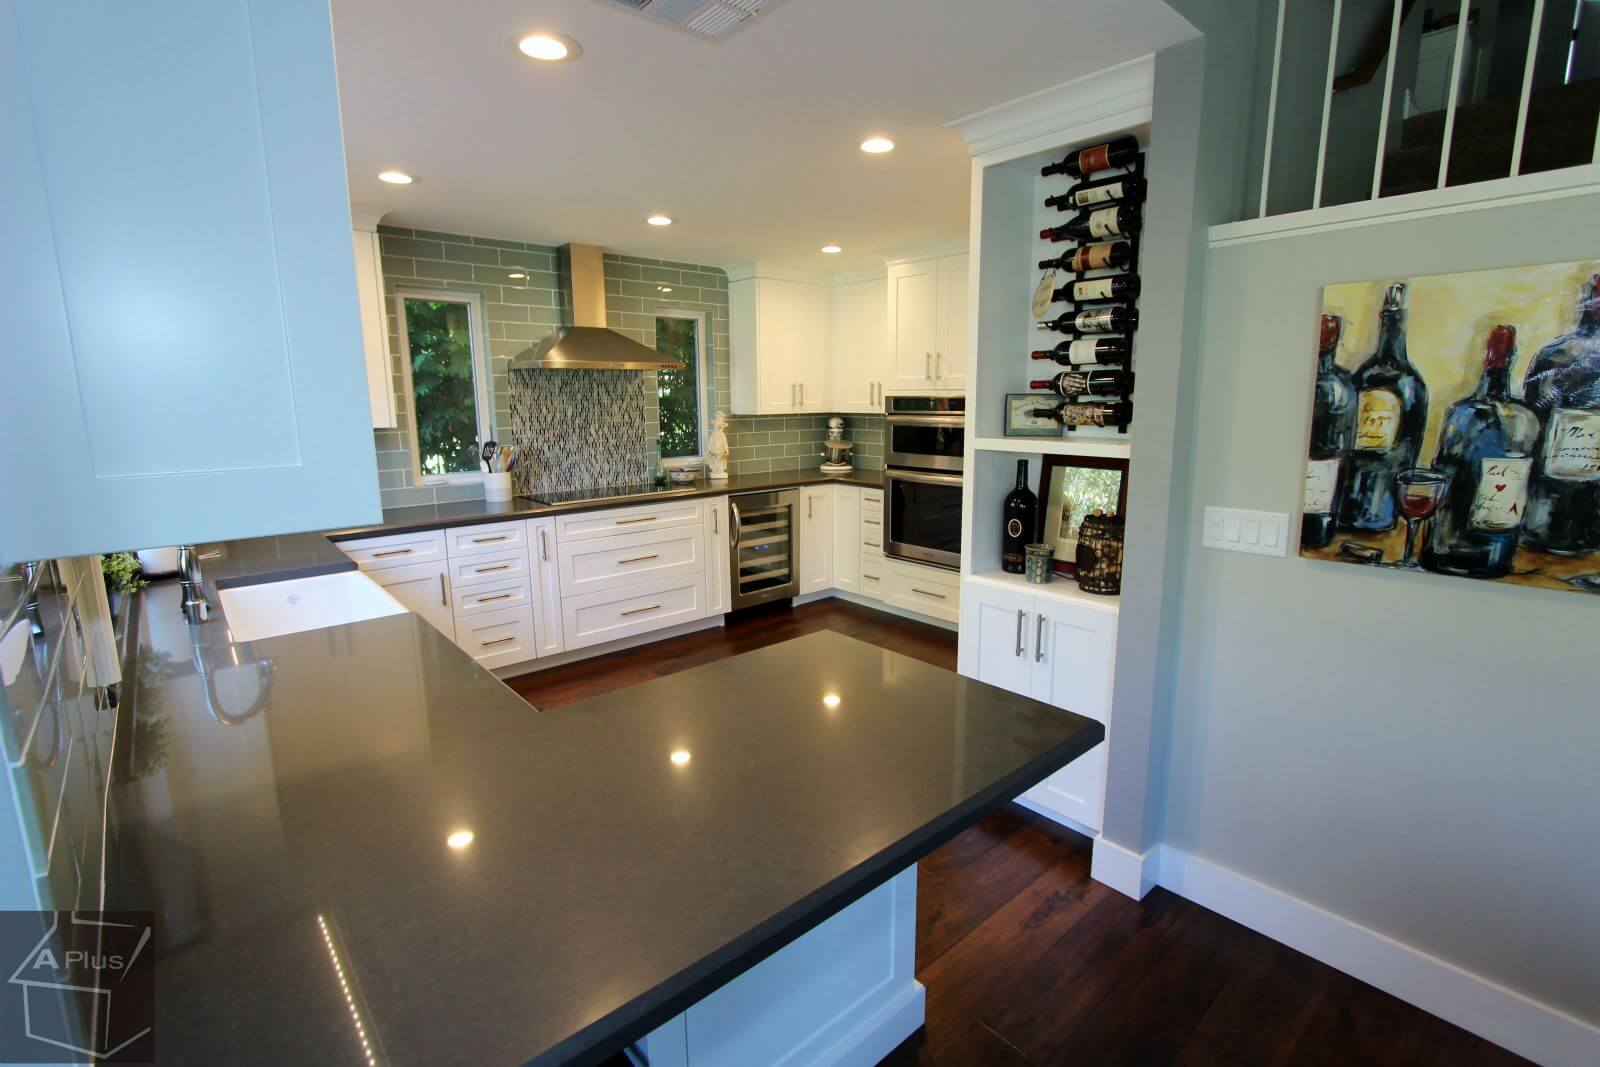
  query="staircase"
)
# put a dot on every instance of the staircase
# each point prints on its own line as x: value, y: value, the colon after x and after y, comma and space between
x: 1560, y: 133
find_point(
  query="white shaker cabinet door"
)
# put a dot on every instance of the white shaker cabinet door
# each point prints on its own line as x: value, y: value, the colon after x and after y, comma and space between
x: 996, y: 627
x: 950, y: 346
x: 816, y: 538
x: 546, y: 573
x: 913, y: 322
x: 718, y: 564
x: 184, y: 357
x: 847, y: 538
x: 424, y: 588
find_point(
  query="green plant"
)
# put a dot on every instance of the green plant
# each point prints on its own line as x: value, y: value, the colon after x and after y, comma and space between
x: 122, y: 572
x: 440, y: 336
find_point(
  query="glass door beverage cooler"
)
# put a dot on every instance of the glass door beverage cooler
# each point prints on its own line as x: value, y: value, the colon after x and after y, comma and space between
x: 764, y: 547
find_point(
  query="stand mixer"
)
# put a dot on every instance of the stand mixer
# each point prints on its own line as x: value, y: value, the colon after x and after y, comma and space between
x: 836, y: 450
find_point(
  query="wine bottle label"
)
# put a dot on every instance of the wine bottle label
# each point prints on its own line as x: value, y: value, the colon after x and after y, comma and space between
x: 1092, y: 289
x: 1096, y: 158
x: 1572, y: 446
x: 1502, y: 495
x: 1013, y: 527
x: 1042, y: 294
x: 1080, y: 352
x: 1322, y: 475
x: 1085, y: 197
x: 1092, y: 257
x: 1377, y: 419
x: 1103, y: 223
x: 1084, y: 414
x: 1097, y: 321
x: 1073, y: 384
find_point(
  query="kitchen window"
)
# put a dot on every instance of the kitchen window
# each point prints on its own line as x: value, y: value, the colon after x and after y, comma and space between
x: 444, y: 361
x: 684, y: 395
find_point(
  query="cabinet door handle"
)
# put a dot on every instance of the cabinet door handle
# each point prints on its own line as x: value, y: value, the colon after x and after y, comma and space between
x: 1021, y: 618
x: 1038, y: 641
x: 392, y: 552
x: 497, y: 596
x: 714, y: 512
x: 939, y: 596
x: 444, y: 597
x: 810, y: 500
x: 544, y: 547
x: 640, y: 611
x: 491, y: 540
x: 630, y: 522
x: 500, y: 640
x: 491, y: 570
x: 639, y: 559
x: 927, y: 365
x: 802, y: 394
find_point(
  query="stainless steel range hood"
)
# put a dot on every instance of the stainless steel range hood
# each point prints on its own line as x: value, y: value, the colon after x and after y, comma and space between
x: 583, y: 342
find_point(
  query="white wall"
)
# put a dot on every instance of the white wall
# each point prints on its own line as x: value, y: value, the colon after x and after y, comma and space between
x: 1417, y: 754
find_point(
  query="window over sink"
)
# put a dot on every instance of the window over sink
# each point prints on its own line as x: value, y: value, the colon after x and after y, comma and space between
x: 684, y: 396
x: 444, y: 363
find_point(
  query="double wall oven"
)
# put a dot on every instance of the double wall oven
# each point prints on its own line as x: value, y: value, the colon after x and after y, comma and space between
x: 924, y: 443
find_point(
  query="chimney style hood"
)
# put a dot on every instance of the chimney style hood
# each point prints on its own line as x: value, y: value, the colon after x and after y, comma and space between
x: 583, y: 342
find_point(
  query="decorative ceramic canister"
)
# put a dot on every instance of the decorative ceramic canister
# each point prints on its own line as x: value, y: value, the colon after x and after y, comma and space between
x: 1039, y: 563
x: 717, y: 450
x: 1100, y: 553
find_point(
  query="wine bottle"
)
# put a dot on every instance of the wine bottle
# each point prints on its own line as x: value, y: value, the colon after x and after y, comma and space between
x: 1073, y: 384
x: 1019, y: 518
x: 1487, y: 444
x: 1118, y: 220
x: 1098, y: 290
x: 1109, y: 255
x: 1087, y: 350
x: 1333, y: 421
x: 1562, y: 385
x: 1391, y: 412
x: 1116, y: 413
x: 1116, y: 318
x: 1118, y: 153
x: 1124, y: 189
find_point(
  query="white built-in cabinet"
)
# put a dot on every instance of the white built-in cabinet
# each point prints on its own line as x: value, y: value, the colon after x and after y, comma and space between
x: 1057, y: 646
x: 718, y: 563
x: 424, y: 588
x: 374, y: 327
x: 927, y: 322
x: 815, y: 525
x: 780, y: 332
x: 846, y: 521
x: 861, y: 367
x: 182, y: 321
x: 546, y: 586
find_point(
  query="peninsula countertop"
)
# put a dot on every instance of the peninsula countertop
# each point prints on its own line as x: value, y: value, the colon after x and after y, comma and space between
x: 288, y: 806
x: 302, y: 555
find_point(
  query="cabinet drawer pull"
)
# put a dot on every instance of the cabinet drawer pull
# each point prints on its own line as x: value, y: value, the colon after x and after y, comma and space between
x: 444, y: 597
x: 926, y: 592
x: 870, y: 577
x: 639, y: 559
x: 489, y: 540
x: 630, y: 522
x: 392, y: 552
x: 497, y: 596
x: 500, y: 640
x: 491, y: 570
x: 872, y: 544
x: 640, y: 611
x: 871, y: 522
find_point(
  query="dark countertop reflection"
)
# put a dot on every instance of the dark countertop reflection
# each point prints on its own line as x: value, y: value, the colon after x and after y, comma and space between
x: 500, y: 886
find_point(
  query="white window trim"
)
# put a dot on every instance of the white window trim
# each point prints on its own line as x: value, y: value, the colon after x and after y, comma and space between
x: 482, y: 371
x: 707, y: 386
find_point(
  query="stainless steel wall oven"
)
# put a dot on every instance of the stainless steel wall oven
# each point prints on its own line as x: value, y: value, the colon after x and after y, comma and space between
x: 925, y: 442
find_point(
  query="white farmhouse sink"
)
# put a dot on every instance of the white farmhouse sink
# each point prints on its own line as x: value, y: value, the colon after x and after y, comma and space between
x: 300, y: 604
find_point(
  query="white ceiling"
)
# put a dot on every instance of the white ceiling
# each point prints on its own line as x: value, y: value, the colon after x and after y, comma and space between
x: 750, y: 142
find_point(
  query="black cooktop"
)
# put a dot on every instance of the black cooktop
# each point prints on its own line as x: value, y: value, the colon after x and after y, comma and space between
x: 607, y: 492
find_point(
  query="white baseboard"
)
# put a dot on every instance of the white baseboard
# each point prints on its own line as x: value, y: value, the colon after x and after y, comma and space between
x: 1472, y: 1002
x: 1130, y: 873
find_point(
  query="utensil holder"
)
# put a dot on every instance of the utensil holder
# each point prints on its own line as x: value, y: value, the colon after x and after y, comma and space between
x: 497, y: 487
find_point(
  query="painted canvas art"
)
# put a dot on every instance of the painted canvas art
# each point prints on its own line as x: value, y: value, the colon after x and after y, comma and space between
x: 1455, y: 426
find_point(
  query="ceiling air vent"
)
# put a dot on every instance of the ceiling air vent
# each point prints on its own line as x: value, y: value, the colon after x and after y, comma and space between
x: 709, y: 20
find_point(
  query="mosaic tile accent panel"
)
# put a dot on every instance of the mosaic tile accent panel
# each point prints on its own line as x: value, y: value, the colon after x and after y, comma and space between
x: 579, y: 428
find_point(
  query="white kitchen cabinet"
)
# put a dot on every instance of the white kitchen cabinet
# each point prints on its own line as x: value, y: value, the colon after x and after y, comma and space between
x: 181, y: 305
x: 816, y: 538
x: 394, y: 550
x: 927, y: 321
x: 847, y: 538
x: 862, y: 369
x: 871, y: 544
x: 546, y: 587
x: 498, y: 638
x: 612, y: 614
x: 424, y: 588
x: 718, y: 598
x: 931, y: 591
x: 374, y: 327
x: 630, y: 558
x: 780, y: 341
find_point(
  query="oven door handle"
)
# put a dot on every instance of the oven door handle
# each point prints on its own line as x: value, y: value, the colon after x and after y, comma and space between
x: 922, y: 477
x: 941, y: 421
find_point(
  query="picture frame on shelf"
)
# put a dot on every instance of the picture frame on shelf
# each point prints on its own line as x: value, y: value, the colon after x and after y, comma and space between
x: 1071, y: 487
x: 1021, y: 424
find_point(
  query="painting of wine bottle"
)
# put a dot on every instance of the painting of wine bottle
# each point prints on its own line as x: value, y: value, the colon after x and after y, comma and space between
x: 1454, y: 427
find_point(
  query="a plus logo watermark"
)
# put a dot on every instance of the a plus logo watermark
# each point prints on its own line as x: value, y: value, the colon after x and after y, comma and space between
x: 78, y: 986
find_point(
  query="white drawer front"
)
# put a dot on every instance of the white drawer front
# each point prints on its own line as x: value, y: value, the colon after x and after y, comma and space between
x: 871, y: 533
x: 395, y: 550
x: 612, y: 614
x: 664, y: 515
x: 477, y: 570
x: 492, y: 596
x: 872, y: 500
x: 489, y: 537
x: 629, y: 559
x: 872, y: 576
x: 925, y: 590
x: 498, y: 638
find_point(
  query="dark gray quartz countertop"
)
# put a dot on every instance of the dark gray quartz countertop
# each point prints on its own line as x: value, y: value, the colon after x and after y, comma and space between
x: 285, y: 804
x: 274, y: 559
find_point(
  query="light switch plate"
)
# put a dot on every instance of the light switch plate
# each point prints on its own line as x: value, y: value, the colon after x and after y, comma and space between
x: 1264, y: 533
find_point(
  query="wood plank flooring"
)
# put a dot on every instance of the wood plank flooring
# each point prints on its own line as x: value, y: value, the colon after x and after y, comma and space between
x: 1028, y: 961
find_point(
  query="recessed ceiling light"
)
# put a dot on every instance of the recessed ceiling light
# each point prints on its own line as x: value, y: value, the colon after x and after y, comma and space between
x: 660, y: 220
x: 680, y: 756
x: 548, y: 47
x: 830, y: 700
x: 831, y: 250
x: 395, y: 177
x: 460, y: 839
x: 877, y: 145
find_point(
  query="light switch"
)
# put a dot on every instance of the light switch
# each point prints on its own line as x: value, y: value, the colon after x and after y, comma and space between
x: 1264, y: 533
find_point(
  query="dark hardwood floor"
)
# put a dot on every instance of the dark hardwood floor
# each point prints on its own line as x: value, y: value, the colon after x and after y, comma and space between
x: 1028, y: 961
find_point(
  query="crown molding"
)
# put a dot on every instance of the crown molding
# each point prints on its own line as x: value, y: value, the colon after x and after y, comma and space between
x: 1120, y: 94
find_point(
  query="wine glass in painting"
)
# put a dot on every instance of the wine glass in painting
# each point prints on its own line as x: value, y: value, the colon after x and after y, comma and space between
x: 1419, y: 491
